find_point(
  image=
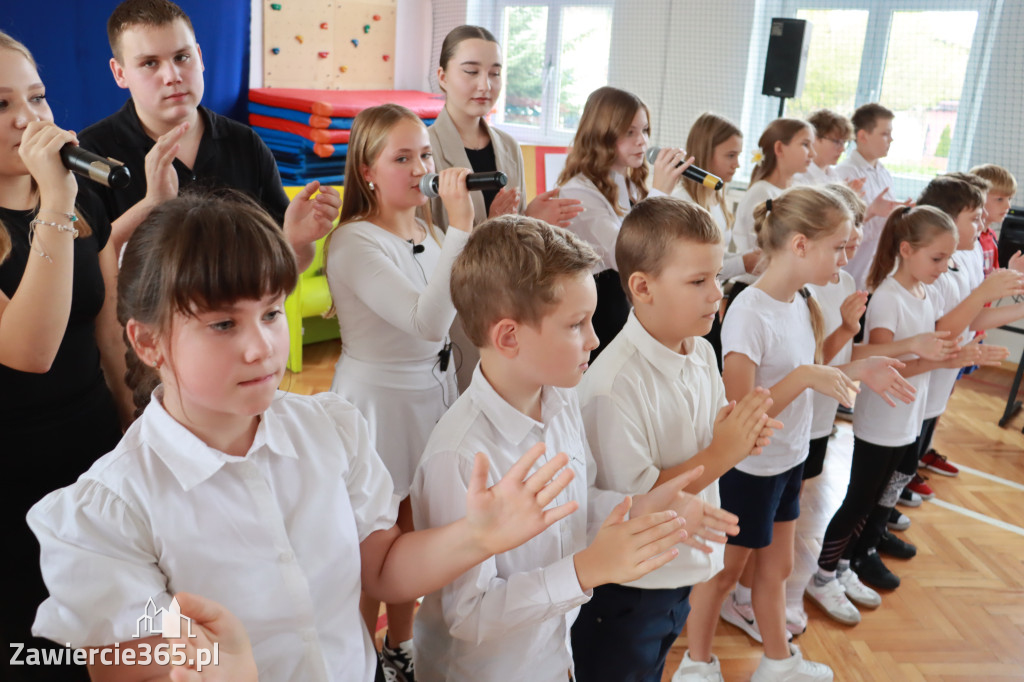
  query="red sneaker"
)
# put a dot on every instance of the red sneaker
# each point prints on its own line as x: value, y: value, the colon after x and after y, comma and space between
x: 933, y: 461
x: 919, y: 485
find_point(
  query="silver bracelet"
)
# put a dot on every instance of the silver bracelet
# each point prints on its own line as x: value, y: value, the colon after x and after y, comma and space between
x: 60, y: 227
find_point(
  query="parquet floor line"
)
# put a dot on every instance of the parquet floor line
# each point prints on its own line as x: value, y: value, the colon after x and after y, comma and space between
x: 980, y: 517
x: 992, y: 477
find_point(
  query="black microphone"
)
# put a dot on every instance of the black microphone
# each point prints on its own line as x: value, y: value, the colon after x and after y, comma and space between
x: 698, y: 175
x: 474, y: 181
x: 417, y: 248
x: 93, y: 166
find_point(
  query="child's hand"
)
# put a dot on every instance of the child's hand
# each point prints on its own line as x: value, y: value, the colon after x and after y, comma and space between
x: 212, y: 624
x: 708, y: 524
x: 309, y: 217
x: 666, y: 172
x: 936, y: 346
x: 552, y: 210
x: 991, y: 356
x: 831, y: 382
x: 999, y: 283
x: 161, y: 176
x: 857, y: 185
x: 40, y: 152
x: 741, y: 427
x: 451, y: 187
x: 624, y: 550
x: 881, y: 375
x: 506, y: 201
x: 511, y: 512
x: 1016, y: 262
x: 881, y: 206
x: 852, y: 309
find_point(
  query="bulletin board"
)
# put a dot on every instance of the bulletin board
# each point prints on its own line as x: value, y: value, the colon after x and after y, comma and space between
x: 329, y: 44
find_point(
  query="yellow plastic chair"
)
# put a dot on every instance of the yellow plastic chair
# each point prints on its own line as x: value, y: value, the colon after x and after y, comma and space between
x: 306, y: 305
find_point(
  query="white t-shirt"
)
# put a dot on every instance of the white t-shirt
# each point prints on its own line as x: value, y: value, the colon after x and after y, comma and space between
x: 817, y: 176
x: 509, y: 617
x: 954, y: 286
x: 646, y: 409
x: 778, y: 337
x: 877, y: 180
x: 273, y: 536
x: 743, y: 231
x: 831, y: 297
x: 894, y: 308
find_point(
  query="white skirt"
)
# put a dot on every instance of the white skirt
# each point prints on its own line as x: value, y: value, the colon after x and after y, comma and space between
x: 402, y: 404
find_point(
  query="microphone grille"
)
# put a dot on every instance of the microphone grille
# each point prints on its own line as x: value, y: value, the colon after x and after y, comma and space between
x: 652, y: 154
x: 427, y: 185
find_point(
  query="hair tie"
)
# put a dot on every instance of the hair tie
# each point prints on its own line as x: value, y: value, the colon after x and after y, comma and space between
x: 768, y: 206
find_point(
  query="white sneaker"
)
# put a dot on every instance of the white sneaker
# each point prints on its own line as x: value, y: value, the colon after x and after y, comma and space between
x: 742, y: 616
x: 792, y: 669
x: 796, y: 620
x: 831, y: 597
x: 694, y: 671
x: 856, y: 591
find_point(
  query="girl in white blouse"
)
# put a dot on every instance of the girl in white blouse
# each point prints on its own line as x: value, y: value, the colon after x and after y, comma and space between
x: 388, y: 270
x: 607, y: 171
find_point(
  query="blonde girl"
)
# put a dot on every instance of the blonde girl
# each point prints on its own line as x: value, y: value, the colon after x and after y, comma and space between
x: 606, y: 170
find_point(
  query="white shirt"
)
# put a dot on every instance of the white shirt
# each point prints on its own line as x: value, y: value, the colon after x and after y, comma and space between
x: 954, y: 286
x: 743, y: 234
x: 732, y: 263
x: 599, y: 224
x: 777, y: 337
x: 894, y: 308
x: 831, y: 297
x: 393, y: 306
x: 274, y: 536
x: 509, y: 617
x: 877, y: 180
x: 646, y: 409
x: 816, y: 175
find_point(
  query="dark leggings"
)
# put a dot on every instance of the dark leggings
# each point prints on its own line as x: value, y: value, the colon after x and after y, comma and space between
x: 870, y: 470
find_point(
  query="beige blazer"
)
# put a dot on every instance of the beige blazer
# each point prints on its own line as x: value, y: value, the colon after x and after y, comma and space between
x: 449, y: 152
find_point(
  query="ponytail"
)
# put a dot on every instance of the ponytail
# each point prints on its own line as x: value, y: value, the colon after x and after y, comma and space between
x: 918, y: 226
x: 817, y: 325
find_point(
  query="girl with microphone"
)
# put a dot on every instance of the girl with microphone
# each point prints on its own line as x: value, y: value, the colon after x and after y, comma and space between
x: 61, y: 352
x: 388, y: 270
x: 470, y: 75
x: 607, y: 171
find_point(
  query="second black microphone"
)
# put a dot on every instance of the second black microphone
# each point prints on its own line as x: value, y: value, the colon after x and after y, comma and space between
x: 698, y: 175
x: 474, y: 181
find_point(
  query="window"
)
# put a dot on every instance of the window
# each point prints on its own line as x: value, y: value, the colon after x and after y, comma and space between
x: 555, y: 54
x: 923, y: 60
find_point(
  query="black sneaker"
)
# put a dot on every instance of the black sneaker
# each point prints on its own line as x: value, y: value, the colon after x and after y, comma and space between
x: 893, y: 546
x: 872, y: 571
x: 397, y: 663
x: 897, y: 520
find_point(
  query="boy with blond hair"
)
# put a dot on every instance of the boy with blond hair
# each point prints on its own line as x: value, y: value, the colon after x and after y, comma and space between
x: 169, y: 141
x: 654, y: 406
x: 525, y: 295
x: 1002, y: 188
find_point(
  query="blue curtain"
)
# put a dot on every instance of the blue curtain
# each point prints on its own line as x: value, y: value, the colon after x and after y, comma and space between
x: 68, y: 39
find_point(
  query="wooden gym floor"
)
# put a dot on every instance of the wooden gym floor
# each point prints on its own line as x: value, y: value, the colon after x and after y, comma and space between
x: 959, y: 613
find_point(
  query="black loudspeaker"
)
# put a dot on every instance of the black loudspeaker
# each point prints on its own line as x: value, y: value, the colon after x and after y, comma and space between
x: 787, y: 55
x: 1011, y: 235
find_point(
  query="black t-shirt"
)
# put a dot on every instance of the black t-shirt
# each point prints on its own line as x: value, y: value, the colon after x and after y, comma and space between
x: 482, y: 161
x: 76, y: 367
x: 230, y: 155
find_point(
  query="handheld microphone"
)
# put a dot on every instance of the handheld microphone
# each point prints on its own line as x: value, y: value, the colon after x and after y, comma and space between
x: 698, y: 175
x: 474, y: 181
x: 93, y: 166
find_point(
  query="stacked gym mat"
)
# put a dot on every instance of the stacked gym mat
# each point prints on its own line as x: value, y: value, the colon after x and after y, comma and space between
x: 308, y: 130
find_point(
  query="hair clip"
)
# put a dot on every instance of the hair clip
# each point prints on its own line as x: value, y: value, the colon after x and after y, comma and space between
x: 768, y: 206
x: 757, y: 156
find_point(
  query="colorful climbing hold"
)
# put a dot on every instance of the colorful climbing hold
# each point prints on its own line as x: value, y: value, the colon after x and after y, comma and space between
x: 276, y: 6
x: 376, y: 17
x: 323, y: 25
x: 355, y: 42
x: 322, y: 55
x: 299, y: 38
x: 343, y: 69
x: 366, y: 29
x: 275, y: 50
x: 387, y: 57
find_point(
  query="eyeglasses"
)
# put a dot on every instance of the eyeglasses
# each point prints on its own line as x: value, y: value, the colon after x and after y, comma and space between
x: 837, y: 142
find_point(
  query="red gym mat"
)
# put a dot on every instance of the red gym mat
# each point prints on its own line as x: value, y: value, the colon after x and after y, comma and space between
x: 347, y: 102
x: 314, y: 134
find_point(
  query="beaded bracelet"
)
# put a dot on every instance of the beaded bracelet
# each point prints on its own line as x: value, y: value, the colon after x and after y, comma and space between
x: 70, y: 216
x: 60, y: 228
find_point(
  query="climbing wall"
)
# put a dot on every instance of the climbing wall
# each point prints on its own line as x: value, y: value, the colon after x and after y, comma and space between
x: 329, y: 44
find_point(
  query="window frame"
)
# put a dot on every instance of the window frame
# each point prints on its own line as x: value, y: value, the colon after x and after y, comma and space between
x: 548, y: 132
x: 875, y: 53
